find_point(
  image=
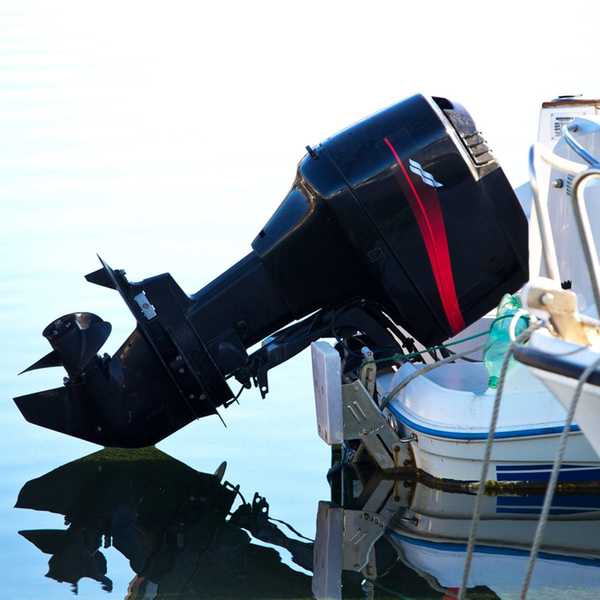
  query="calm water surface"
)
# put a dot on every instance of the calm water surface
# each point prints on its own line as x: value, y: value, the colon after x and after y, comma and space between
x: 175, y: 522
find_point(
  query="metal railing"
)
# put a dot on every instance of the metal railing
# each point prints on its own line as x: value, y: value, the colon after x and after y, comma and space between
x: 584, y: 173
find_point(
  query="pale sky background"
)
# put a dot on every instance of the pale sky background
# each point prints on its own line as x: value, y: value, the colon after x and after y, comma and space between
x: 162, y: 135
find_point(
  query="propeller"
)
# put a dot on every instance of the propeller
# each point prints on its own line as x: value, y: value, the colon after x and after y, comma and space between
x: 75, y: 339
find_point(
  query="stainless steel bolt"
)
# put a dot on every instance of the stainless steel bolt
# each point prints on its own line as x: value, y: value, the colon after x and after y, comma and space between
x: 547, y: 298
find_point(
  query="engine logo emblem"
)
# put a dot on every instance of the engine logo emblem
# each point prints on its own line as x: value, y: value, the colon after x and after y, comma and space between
x: 427, y: 178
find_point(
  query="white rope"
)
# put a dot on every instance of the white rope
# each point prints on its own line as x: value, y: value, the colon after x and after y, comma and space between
x: 562, y: 446
x: 487, y: 456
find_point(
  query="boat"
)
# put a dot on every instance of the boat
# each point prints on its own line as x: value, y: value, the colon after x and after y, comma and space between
x: 559, y: 346
x: 438, y: 424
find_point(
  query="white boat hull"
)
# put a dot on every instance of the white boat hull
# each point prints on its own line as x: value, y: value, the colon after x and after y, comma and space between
x: 517, y: 460
x: 450, y: 417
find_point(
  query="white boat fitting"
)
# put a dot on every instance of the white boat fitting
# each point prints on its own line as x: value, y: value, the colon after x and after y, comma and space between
x: 559, y: 364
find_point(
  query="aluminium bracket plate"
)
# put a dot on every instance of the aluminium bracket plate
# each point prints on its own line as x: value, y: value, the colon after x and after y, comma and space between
x: 363, y: 420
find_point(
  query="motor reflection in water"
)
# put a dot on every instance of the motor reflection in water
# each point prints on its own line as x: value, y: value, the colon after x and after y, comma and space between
x: 175, y: 525
x: 189, y: 535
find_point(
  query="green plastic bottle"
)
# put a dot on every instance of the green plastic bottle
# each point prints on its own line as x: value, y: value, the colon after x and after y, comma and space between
x: 499, y: 336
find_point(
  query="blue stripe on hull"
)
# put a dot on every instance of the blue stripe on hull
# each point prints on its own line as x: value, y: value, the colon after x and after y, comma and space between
x: 463, y: 435
x: 548, y: 466
x: 537, y: 511
x: 572, y: 474
x: 589, y: 502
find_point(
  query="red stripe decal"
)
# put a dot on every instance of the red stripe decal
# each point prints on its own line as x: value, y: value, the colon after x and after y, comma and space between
x: 428, y: 214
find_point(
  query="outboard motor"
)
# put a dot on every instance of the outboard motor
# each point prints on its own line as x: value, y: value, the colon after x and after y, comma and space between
x: 402, y: 223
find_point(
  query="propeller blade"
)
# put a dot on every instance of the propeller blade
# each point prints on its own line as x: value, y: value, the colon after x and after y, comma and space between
x: 58, y: 410
x: 76, y: 338
x: 101, y: 277
x: 49, y: 541
x: 52, y: 359
x: 220, y: 472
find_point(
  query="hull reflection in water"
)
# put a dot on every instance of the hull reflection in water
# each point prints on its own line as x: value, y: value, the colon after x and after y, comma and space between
x: 435, y: 539
x: 428, y: 529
